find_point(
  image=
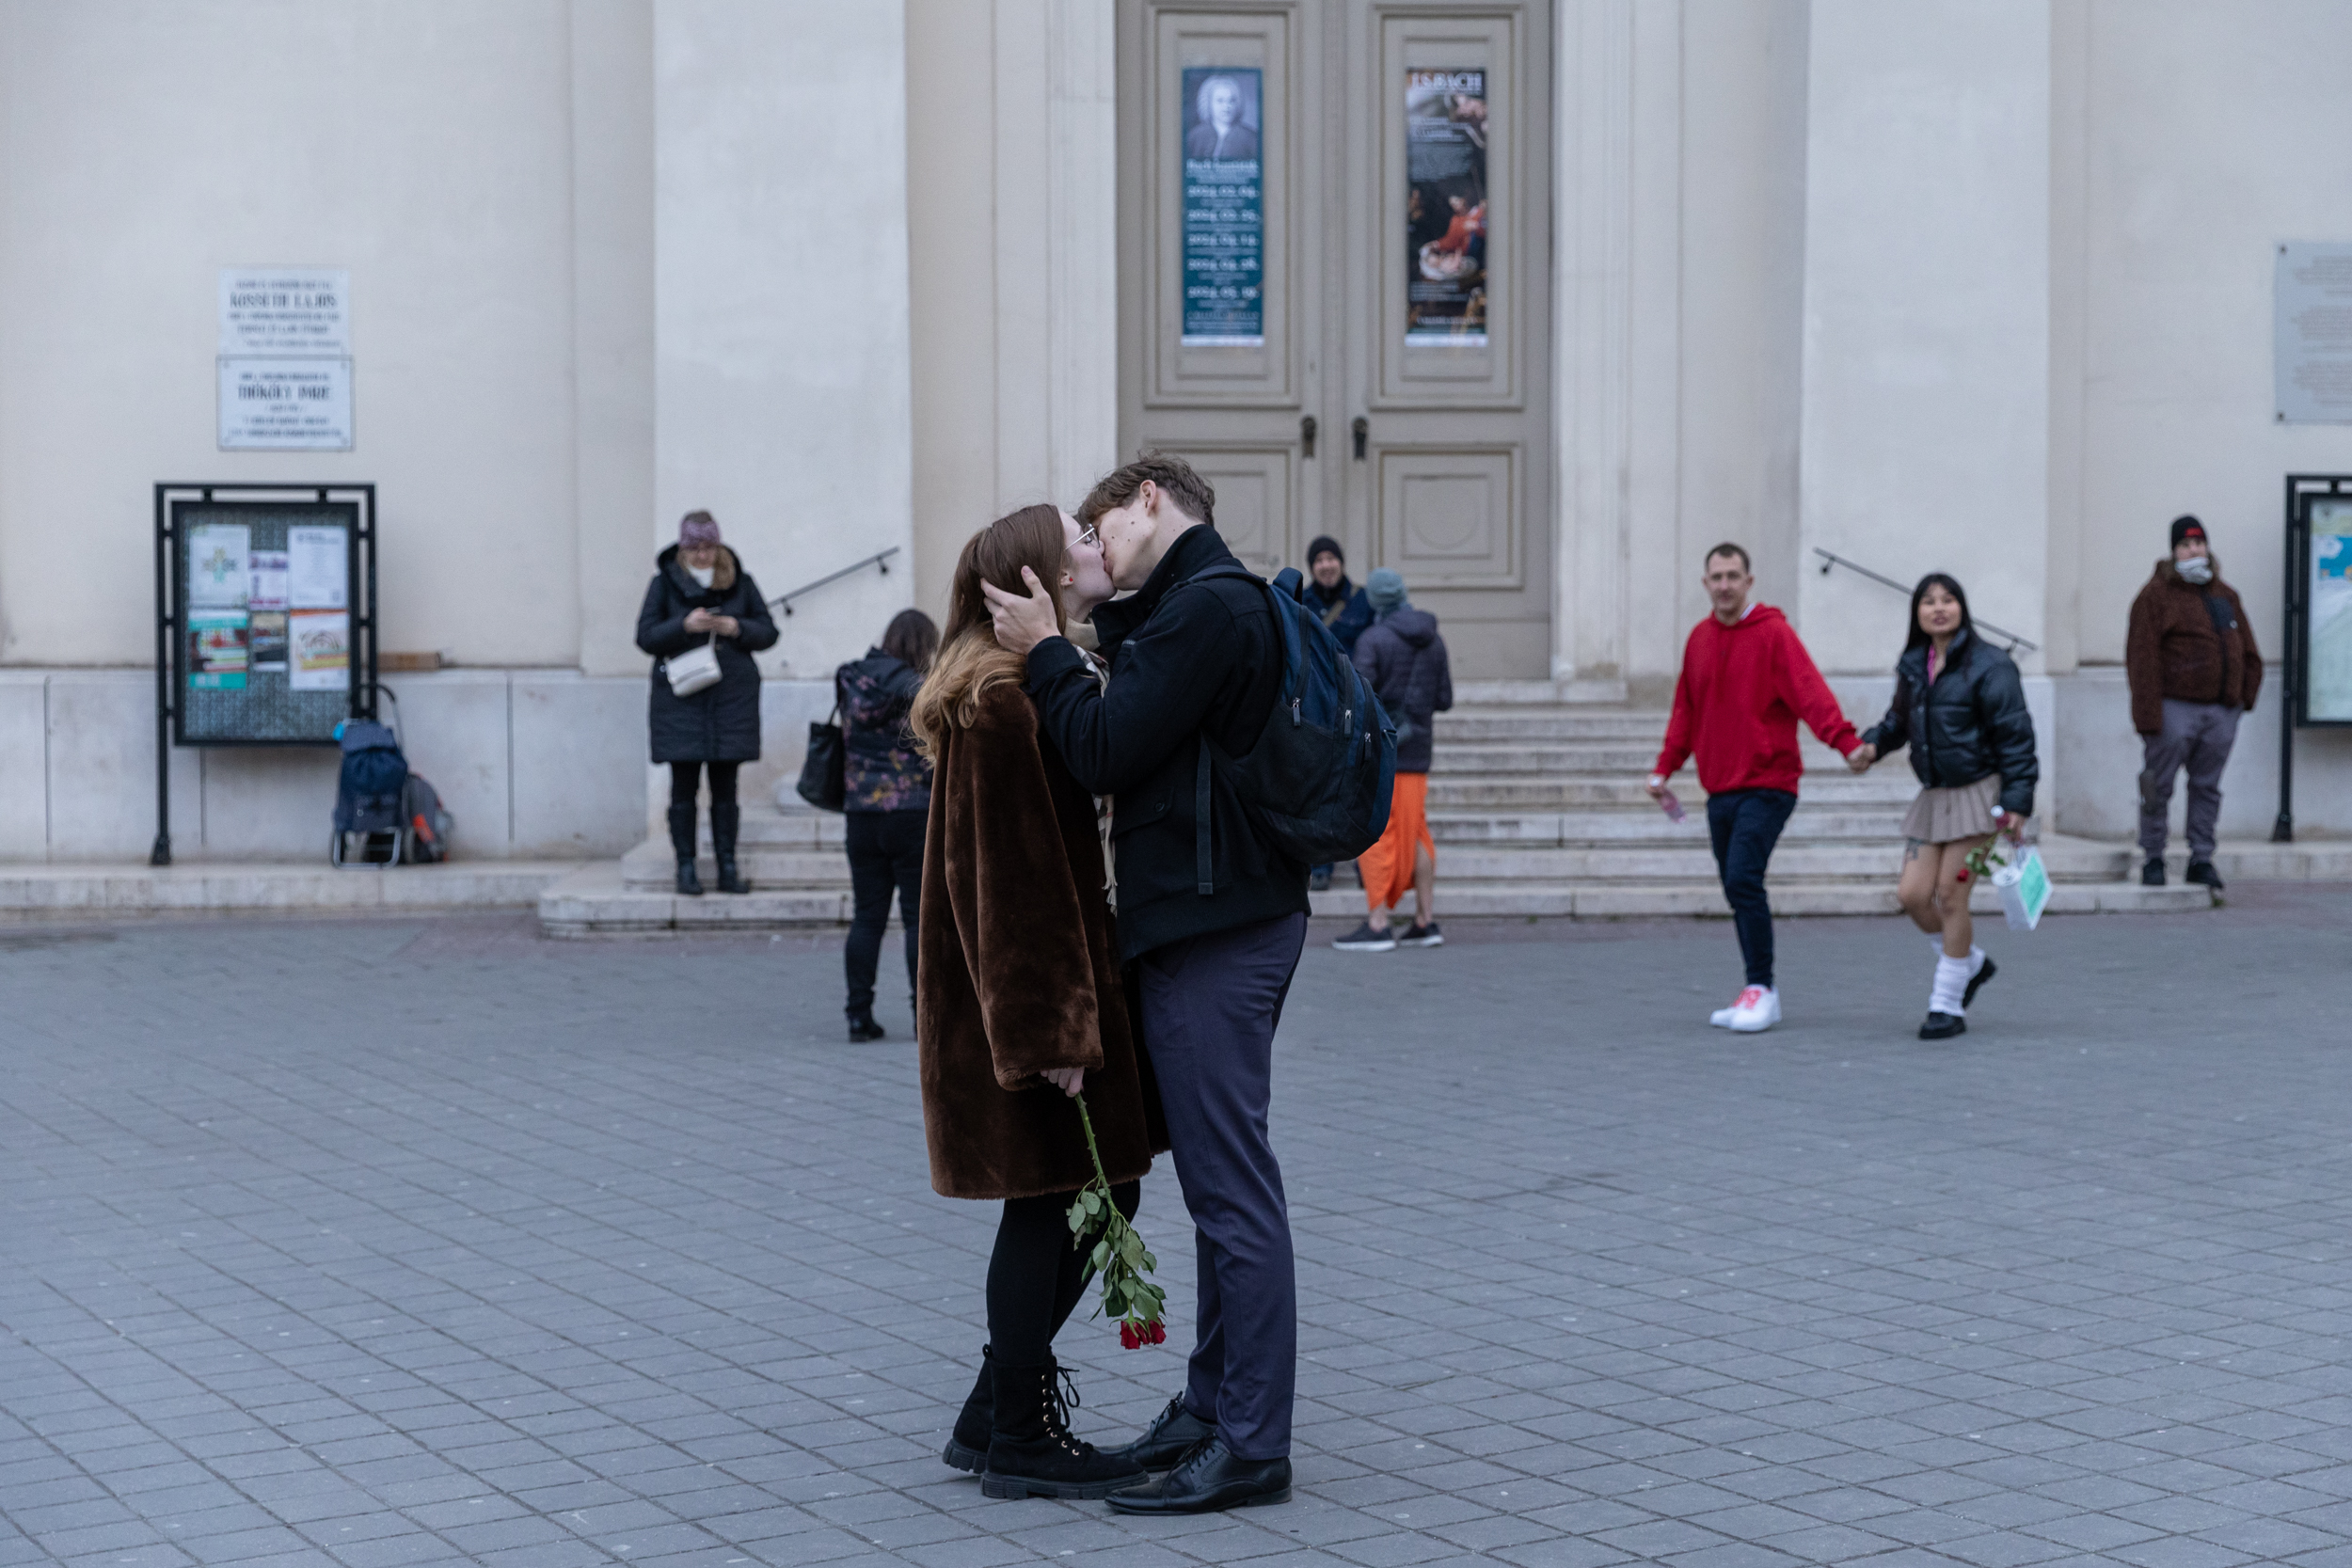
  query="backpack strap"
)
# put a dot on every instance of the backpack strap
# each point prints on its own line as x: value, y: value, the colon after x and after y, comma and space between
x: 1202, y: 869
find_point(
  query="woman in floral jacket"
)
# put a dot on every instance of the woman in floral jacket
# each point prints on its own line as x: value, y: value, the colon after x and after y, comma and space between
x: 887, y: 799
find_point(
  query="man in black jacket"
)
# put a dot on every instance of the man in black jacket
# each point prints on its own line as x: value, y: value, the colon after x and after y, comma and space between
x: 1212, y: 925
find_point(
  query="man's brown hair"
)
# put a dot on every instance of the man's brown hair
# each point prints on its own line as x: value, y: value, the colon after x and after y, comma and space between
x: 1729, y: 548
x: 1194, y: 495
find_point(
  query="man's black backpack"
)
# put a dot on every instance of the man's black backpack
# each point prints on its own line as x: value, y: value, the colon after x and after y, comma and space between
x: 1317, y: 780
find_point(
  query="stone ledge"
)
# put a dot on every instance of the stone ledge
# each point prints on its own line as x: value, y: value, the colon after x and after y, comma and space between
x: 47, y: 892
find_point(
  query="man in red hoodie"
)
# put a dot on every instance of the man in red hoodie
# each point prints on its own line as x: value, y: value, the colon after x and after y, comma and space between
x: 1746, y: 682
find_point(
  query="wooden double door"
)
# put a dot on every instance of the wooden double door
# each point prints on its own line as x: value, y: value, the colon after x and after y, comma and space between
x: 1336, y: 290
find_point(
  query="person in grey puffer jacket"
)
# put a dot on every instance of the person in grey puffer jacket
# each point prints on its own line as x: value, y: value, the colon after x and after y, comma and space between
x: 1404, y: 660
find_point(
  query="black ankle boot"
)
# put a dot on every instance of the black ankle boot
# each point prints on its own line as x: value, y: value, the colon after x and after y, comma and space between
x: 864, y: 1028
x: 724, y: 818
x: 1030, y: 1451
x: 682, y: 841
x: 967, y: 1448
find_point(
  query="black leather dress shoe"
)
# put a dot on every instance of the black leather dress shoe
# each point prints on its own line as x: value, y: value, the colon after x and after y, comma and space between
x: 1943, y: 1026
x: 1210, y: 1480
x: 1173, y: 1434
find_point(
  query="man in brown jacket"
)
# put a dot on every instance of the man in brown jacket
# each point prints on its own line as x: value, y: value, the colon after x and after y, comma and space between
x: 2193, y: 667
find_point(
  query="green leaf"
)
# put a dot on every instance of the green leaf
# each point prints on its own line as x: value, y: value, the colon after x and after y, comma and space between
x: 1091, y: 1201
x: 1131, y: 1249
x: 1077, y: 1216
x: 1102, y: 1254
x: 1150, y: 1264
x: 1114, y: 1299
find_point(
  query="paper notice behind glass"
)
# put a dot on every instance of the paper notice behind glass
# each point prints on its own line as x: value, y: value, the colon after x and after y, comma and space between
x: 266, y: 642
x: 217, y: 564
x: 267, y: 580
x: 2327, y: 669
x: 1445, y: 209
x: 1224, y: 224
x: 318, y: 568
x: 216, y: 650
x: 320, y: 643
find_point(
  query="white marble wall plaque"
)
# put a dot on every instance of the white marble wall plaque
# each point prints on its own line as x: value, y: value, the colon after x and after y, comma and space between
x: 285, y: 404
x: 2313, y: 334
x: 275, y: 311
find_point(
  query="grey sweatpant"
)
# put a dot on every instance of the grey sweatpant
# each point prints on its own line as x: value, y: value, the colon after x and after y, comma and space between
x: 2196, y: 735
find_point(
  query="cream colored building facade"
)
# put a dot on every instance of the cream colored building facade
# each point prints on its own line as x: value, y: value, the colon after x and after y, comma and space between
x: 1977, y: 285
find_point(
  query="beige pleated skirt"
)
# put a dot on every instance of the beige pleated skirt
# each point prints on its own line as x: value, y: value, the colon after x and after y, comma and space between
x: 1964, y: 811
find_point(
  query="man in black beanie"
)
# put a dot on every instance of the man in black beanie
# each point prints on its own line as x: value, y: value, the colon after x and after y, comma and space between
x: 1339, y: 602
x: 1346, y: 611
x: 2193, y: 667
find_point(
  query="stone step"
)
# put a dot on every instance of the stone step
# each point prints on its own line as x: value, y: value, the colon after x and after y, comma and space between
x: 1644, y: 823
x: 1686, y: 858
x: 594, y: 901
x: 1463, y: 724
x: 41, y: 893
x: 1529, y: 791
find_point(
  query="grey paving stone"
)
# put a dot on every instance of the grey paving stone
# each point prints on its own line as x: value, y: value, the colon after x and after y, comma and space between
x: 1581, y: 1280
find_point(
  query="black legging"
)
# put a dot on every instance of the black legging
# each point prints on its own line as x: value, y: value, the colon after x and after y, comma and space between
x: 685, y: 776
x: 1036, y: 1276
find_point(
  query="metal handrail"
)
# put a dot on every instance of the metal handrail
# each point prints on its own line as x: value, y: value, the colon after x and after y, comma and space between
x: 881, y: 558
x: 2014, y: 640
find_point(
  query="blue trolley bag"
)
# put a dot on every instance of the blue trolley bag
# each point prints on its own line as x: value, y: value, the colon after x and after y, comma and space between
x: 1318, y: 780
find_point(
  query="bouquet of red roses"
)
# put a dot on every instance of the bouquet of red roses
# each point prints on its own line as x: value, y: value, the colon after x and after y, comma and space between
x: 1118, y: 1256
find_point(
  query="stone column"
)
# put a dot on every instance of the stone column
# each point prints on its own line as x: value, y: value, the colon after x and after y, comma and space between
x: 1926, y: 438
x: 780, y: 300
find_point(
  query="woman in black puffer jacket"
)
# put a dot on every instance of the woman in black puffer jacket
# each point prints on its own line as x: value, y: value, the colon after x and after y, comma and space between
x: 700, y: 594
x: 886, y: 801
x: 1960, y: 706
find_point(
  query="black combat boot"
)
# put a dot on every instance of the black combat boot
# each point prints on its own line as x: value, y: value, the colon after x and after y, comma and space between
x: 1030, y: 1451
x: 967, y: 1450
x: 724, y: 818
x: 682, y: 840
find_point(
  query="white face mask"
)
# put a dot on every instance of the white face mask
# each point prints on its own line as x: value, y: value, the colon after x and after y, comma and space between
x: 702, y: 574
x: 2198, y: 569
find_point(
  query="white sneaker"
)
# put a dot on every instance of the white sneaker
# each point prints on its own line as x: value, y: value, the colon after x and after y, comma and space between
x: 1757, y: 1009
x: 1720, y: 1017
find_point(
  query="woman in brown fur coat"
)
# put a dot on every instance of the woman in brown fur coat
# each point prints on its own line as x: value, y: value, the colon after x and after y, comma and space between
x: 1019, y: 1004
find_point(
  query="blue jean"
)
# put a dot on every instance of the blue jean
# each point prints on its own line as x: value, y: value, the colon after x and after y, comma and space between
x: 1745, y: 824
x: 1210, y: 1007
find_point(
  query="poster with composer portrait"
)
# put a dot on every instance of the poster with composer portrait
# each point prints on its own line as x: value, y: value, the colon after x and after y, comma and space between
x: 1446, y: 211
x: 1224, y: 224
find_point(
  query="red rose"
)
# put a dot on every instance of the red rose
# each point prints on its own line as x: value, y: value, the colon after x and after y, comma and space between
x: 1159, y: 1334
x: 1127, y: 1339
x: 1962, y: 876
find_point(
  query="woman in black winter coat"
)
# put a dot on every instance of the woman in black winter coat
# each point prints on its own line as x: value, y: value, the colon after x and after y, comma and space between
x: 700, y: 594
x: 886, y: 799
x: 1961, y: 707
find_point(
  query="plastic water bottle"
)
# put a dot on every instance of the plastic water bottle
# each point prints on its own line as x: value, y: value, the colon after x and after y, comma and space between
x: 1671, y: 806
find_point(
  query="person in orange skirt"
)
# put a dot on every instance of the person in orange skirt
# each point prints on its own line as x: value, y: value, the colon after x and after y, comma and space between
x: 1404, y: 659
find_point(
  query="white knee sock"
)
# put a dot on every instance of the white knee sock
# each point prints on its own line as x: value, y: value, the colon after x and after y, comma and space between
x: 1951, y: 978
x: 1976, y: 954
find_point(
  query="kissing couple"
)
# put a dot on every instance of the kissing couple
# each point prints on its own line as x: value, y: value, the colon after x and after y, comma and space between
x: 1100, y: 918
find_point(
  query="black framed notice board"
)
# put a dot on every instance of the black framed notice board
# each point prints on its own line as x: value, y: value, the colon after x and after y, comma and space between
x: 265, y: 618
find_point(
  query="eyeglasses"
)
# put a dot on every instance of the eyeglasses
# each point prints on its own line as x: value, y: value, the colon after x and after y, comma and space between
x: 1090, y: 536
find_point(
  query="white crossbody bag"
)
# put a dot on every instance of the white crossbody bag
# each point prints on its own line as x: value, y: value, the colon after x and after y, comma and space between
x: 695, y: 669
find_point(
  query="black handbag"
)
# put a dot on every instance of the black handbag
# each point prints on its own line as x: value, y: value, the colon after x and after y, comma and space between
x: 823, y: 778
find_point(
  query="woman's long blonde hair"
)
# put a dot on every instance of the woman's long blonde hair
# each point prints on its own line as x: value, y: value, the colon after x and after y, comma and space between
x: 969, y: 661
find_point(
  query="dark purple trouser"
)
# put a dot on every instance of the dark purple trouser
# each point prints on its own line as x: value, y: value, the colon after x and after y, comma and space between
x: 2196, y: 736
x: 1210, y: 1007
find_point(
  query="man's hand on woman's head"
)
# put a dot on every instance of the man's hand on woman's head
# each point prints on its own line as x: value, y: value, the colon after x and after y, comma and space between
x: 1021, y: 623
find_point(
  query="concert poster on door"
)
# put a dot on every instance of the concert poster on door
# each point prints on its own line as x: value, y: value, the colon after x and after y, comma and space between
x: 1224, y: 228
x: 1446, y: 211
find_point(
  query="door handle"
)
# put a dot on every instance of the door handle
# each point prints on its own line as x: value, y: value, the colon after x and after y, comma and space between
x: 1306, y: 435
x: 1362, y: 429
